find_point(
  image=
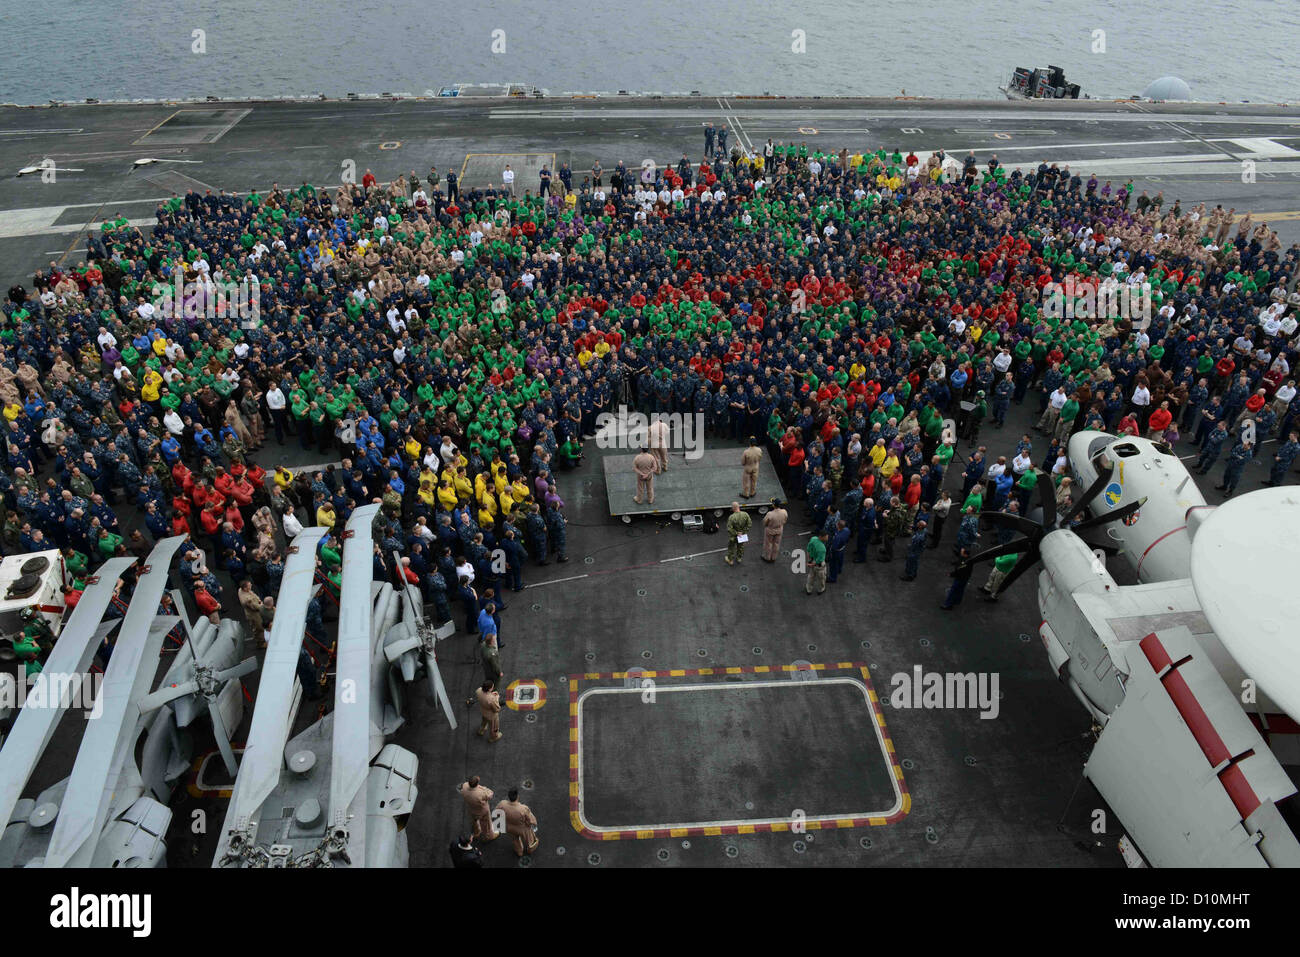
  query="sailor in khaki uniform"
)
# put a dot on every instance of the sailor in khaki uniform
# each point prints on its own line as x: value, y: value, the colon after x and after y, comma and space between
x: 749, y: 460
x: 519, y: 823
x: 645, y: 467
x: 476, y: 802
x: 489, y: 706
x: 658, y: 433
x: 773, y: 528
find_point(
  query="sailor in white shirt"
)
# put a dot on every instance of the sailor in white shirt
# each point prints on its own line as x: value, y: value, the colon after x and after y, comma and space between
x: 395, y: 321
x: 678, y: 195
x: 998, y: 468
x: 719, y: 194
x: 448, y: 450
x: 665, y: 196
x: 1002, y: 361
x: 175, y: 425
x: 957, y: 326
x: 410, y: 315
x: 275, y: 398
x: 1282, y: 398
x: 457, y: 256
x: 508, y: 179
x: 465, y: 570
x: 423, y: 280
x: 291, y: 524
x: 528, y: 278
x: 1021, y: 464
x: 106, y: 339
x: 1141, y: 396
x: 399, y: 353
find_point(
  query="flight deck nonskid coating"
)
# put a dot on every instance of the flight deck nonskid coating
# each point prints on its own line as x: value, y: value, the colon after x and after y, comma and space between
x: 647, y: 755
x: 708, y: 483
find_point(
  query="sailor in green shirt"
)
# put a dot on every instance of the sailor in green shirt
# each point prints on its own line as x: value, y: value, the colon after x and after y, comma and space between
x: 816, y: 564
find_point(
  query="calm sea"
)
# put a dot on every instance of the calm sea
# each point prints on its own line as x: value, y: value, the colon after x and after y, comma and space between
x: 1228, y: 50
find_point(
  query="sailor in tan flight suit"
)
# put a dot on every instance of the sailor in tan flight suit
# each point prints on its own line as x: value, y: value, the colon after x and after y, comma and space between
x: 476, y: 802
x: 773, y: 528
x: 658, y: 433
x: 645, y: 467
x: 519, y: 823
x: 489, y: 706
x: 749, y: 460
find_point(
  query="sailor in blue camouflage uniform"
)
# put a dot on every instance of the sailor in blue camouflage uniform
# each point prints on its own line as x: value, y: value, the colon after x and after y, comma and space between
x: 535, y: 528
x: 1283, y: 459
x: 1211, y: 448
x: 556, y: 528
x: 915, y: 549
x: 1241, y: 454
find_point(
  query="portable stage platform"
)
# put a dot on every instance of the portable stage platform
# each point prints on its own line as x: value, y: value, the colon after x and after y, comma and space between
x: 709, y: 483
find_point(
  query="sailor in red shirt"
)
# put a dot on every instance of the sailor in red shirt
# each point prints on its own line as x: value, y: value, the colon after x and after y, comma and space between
x: 207, y: 604
x: 1159, y: 421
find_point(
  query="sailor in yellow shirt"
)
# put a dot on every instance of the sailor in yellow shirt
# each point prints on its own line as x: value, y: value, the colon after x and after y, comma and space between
x: 584, y: 357
x: 152, y: 382
x: 12, y: 411
x: 427, y: 493
x: 464, y: 488
x: 521, y: 492
x: 499, y: 481
x: 325, y: 515
x: 602, y: 348
x: 889, y: 466
x: 413, y: 449
x: 480, y: 486
x: 283, y: 478
x: 507, y: 501
x: 857, y: 371
x: 447, y: 493
x: 159, y: 347
x: 878, y: 453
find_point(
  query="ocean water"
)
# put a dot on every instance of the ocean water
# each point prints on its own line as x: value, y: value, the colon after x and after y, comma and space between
x: 1226, y: 50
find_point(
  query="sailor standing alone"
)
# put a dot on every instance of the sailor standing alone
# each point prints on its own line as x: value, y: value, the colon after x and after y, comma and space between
x: 645, y: 467
x: 773, y: 528
x: 738, y: 526
x: 749, y: 460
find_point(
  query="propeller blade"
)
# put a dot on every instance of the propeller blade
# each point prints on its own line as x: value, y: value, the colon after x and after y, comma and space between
x: 438, y: 688
x: 245, y: 667
x: 1047, y: 498
x: 351, y: 733
x: 222, y: 736
x: 77, y: 643
x: 997, y: 551
x: 1022, y: 566
x: 1026, y: 526
x: 1124, y: 511
x: 1104, y: 472
x: 259, y: 772
x: 156, y: 699
x: 127, y: 679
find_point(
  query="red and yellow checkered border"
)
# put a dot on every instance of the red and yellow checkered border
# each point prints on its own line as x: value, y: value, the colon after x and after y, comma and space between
x: 642, y: 834
x: 514, y: 705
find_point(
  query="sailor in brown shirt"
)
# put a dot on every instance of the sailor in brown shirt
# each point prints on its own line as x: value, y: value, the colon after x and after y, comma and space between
x: 489, y: 706
x: 480, y: 811
x: 645, y: 466
x: 519, y: 823
x: 773, y: 528
x: 749, y: 460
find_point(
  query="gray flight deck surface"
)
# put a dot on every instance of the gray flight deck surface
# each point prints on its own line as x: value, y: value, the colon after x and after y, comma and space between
x: 707, y: 483
x: 652, y: 595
